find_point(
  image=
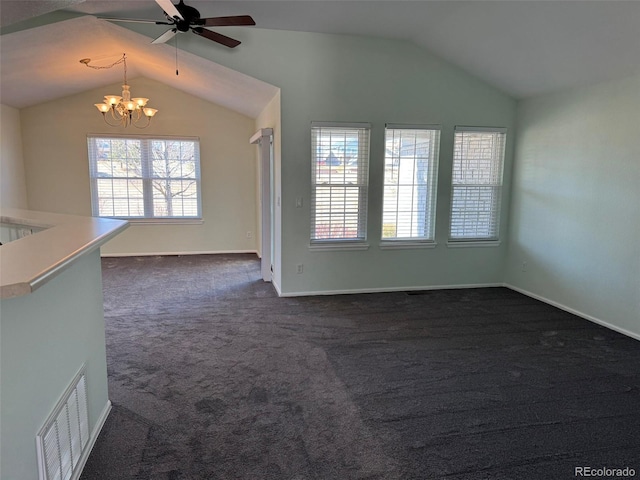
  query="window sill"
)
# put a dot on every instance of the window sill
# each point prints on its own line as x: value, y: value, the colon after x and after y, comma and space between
x: 336, y: 245
x: 473, y: 243
x: 161, y: 221
x: 405, y: 244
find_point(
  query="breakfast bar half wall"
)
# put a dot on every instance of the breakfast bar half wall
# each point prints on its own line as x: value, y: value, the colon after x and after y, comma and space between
x: 53, y: 372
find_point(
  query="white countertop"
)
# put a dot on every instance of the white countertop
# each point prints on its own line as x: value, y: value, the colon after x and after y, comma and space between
x: 30, y: 262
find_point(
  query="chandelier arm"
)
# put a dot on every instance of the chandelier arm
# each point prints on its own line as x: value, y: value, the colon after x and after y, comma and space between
x: 135, y: 124
x: 123, y: 118
x: 119, y: 124
x: 113, y: 114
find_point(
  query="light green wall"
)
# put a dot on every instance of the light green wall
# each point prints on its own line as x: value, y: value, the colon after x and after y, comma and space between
x: 45, y: 337
x: 576, y: 202
x: 57, y: 171
x: 348, y: 78
x: 322, y: 78
x: 13, y: 187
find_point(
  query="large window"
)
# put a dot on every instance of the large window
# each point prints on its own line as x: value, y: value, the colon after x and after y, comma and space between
x: 339, y: 184
x: 410, y: 179
x: 478, y: 160
x: 145, y: 178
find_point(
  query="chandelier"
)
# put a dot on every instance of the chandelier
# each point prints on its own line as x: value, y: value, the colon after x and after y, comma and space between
x: 122, y: 110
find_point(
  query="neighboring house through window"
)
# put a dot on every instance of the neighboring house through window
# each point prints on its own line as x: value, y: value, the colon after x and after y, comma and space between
x: 138, y: 177
x: 410, y: 182
x: 339, y: 183
x: 478, y: 161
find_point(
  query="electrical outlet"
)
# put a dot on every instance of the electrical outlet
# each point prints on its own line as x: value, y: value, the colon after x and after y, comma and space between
x: 524, y: 266
x: 249, y: 235
x: 299, y: 268
x: 299, y: 202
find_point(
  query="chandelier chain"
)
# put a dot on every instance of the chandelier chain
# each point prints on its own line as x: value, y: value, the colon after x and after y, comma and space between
x: 105, y: 67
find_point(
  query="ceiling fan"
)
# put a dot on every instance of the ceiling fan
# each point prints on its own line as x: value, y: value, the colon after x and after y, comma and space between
x: 182, y: 18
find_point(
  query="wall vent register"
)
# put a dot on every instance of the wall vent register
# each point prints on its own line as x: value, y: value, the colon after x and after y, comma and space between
x: 63, y: 439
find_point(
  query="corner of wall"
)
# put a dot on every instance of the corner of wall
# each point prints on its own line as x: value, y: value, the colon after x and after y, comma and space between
x: 13, y: 184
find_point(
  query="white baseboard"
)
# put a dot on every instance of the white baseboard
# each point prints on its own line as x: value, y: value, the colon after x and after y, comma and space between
x: 167, y: 254
x: 586, y: 316
x: 387, y: 289
x: 92, y: 440
x: 276, y: 286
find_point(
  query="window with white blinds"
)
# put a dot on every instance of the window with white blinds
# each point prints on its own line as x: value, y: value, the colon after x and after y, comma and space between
x: 478, y: 160
x: 410, y: 182
x: 139, y: 177
x: 339, y: 183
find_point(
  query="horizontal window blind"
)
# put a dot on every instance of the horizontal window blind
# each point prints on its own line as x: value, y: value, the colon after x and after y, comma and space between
x: 478, y: 162
x: 340, y: 176
x: 410, y: 182
x: 144, y: 177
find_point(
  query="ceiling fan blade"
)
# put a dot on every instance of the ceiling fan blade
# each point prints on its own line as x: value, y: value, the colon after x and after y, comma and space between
x: 133, y: 20
x: 169, y: 34
x: 216, y: 37
x: 237, y: 20
x: 169, y: 8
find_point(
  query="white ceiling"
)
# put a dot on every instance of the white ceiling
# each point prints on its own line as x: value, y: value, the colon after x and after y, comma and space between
x: 42, y: 64
x: 523, y: 47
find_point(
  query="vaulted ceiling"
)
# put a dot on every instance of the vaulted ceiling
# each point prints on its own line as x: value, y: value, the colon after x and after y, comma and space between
x: 42, y: 64
x: 523, y: 47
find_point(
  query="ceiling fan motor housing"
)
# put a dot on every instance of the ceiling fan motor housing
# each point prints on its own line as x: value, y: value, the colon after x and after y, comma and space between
x: 182, y: 18
x: 190, y: 16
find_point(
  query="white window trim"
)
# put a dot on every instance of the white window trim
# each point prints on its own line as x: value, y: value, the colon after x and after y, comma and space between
x: 332, y: 244
x: 413, y: 126
x: 396, y: 243
x: 480, y: 241
x: 163, y: 220
x: 315, y: 124
x: 405, y: 244
x: 182, y: 220
x: 467, y: 128
x: 473, y: 243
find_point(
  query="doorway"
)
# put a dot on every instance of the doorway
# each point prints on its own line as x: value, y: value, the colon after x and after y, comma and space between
x: 264, y: 139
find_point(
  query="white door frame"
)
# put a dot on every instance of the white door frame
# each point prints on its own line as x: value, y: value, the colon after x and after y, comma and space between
x: 264, y: 139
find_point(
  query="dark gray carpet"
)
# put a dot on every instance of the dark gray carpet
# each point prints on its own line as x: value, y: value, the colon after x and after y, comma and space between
x: 214, y: 377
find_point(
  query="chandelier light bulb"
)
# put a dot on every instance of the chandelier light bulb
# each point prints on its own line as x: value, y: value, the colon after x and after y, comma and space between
x: 112, y: 99
x: 140, y: 101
